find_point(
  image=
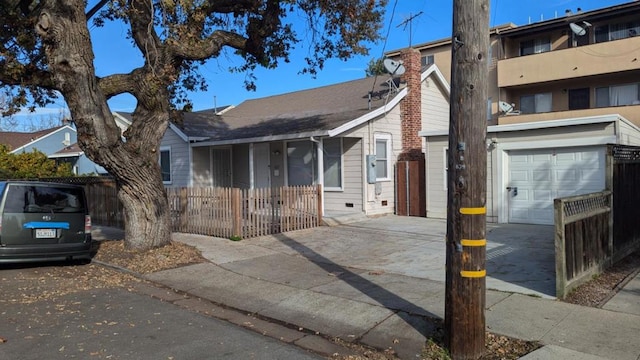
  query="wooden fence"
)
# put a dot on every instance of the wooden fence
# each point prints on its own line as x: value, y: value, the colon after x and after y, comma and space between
x: 583, y: 239
x: 626, y: 197
x: 594, y: 231
x: 221, y: 212
x: 244, y: 213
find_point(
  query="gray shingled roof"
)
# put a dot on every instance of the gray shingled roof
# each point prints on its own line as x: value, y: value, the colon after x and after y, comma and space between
x: 315, y: 110
x: 14, y: 139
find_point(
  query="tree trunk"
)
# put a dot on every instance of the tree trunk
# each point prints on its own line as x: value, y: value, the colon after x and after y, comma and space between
x: 146, y: 226
x: 134, y: 163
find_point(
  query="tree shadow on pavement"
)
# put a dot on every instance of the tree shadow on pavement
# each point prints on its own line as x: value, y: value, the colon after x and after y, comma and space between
x: 423, y: 321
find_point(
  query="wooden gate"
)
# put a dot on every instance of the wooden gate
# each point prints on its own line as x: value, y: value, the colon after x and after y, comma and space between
x: 410, y: 189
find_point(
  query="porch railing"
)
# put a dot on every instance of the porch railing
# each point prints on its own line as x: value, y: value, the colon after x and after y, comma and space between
x: 244, y: 213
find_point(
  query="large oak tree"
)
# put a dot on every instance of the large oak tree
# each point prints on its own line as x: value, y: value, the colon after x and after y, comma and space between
x: 46, y: 49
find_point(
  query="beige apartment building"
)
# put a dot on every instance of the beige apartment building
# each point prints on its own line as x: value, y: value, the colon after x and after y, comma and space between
x: 579, y: 64
x: 559, y: 91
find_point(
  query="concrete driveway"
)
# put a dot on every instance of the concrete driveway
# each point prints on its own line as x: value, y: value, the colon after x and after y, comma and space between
x: 520, y: 258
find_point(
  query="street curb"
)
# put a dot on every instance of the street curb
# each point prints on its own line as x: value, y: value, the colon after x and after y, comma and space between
x: 315, y: 342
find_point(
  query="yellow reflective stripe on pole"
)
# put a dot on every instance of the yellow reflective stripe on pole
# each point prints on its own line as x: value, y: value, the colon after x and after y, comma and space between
x: 467, y: 242
x: 473, y: 211
x: 473, y: 274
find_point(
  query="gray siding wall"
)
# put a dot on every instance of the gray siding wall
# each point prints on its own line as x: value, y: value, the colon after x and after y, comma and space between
x: 201, y: 166
x: 629, y: 134
x: 352, y: 177
x: 436, y: 177
x: 435, y: 106
x: 179, y: 158
x: 382, y: 201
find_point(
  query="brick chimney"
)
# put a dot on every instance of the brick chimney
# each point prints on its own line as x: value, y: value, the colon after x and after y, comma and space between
x: 411, y: 107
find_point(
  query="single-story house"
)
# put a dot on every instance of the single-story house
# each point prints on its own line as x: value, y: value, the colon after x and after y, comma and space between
x: 58, y: 143
x: 346, y: 137
x: 531, y: 164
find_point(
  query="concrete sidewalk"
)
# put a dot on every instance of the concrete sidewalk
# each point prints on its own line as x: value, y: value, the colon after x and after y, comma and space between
x: 375, y: 282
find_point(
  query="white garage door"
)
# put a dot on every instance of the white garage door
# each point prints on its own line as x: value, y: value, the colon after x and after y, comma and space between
x: 543, y: 175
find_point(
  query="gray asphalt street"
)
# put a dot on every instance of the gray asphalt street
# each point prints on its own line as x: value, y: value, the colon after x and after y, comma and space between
x: 119, y: 323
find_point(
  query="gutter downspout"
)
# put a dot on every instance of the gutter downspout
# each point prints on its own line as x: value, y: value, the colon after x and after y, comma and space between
x: 320, y: 168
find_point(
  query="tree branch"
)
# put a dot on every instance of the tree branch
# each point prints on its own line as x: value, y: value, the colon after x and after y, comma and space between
x: 209, y: 47
x: 17, y: 74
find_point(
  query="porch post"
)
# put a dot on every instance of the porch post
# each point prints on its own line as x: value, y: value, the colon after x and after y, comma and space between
x: 320, y: 157
x: 251, y: 171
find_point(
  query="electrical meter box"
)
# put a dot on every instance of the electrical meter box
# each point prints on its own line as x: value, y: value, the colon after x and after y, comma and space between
x: 371, y: 169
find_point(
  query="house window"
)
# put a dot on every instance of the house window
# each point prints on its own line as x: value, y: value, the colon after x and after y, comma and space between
x: 301, y: 160
x: 165, y: 164
x: 578, y: 99
x: 538, y: 103
x: 332, y: 156
x: 426, y: 60
x: 383, y: 153
x: 618, y: 95
x: 535, y: 46
x: 610, y: 32
x: 489, y: 109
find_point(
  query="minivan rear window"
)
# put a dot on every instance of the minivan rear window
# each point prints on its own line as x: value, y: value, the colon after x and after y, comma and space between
x: 49, y: 199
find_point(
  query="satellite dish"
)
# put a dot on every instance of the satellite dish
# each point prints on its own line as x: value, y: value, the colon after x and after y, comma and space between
x: 393, y: 67
x: 579, y: 30
x: 508, y: 109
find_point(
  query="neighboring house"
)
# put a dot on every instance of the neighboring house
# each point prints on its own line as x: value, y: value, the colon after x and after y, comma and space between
x: 58, y: 143
x: 324, y: 136
x: 559, y: 90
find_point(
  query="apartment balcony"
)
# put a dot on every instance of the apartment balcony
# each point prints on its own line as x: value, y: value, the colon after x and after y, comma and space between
x: 629, y: 112
x: 589, y: 60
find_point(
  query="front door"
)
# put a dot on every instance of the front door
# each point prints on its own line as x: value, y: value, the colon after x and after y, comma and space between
x: 261, y: 166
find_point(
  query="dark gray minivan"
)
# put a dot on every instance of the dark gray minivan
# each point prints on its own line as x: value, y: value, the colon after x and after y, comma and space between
x: 43, y: 221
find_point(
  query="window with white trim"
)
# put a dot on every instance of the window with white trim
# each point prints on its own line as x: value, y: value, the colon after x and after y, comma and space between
x: 165, y: 164
x: 533, y: 104
x: 332, y: 157
x: 383, y: 157
x: 426, y: 60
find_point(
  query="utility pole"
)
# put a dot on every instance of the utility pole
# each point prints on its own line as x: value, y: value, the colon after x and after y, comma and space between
x: 467, y: 181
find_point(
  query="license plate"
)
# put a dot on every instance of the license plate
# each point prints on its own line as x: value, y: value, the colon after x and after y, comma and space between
x: 45, y: 233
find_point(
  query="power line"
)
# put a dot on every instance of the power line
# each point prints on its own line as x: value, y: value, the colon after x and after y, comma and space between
x: 384, y: 44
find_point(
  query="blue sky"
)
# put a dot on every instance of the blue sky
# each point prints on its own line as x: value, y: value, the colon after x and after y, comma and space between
x: 114, y: 54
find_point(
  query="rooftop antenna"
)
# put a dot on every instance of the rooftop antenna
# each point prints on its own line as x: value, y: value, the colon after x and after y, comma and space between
x: 409, y: 21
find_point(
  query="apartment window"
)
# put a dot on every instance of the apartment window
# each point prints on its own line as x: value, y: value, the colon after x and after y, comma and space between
x: 535, y: 46
x: 300, y: 163
x: 332, y: 156
x: 578, y: 99
x: 426, y: 60
x: 538, y: 103
x: 383, y: 153
x: 488, y: 109
x: 610, y: 32
x: 165, y: 164
x: 618, y: 95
